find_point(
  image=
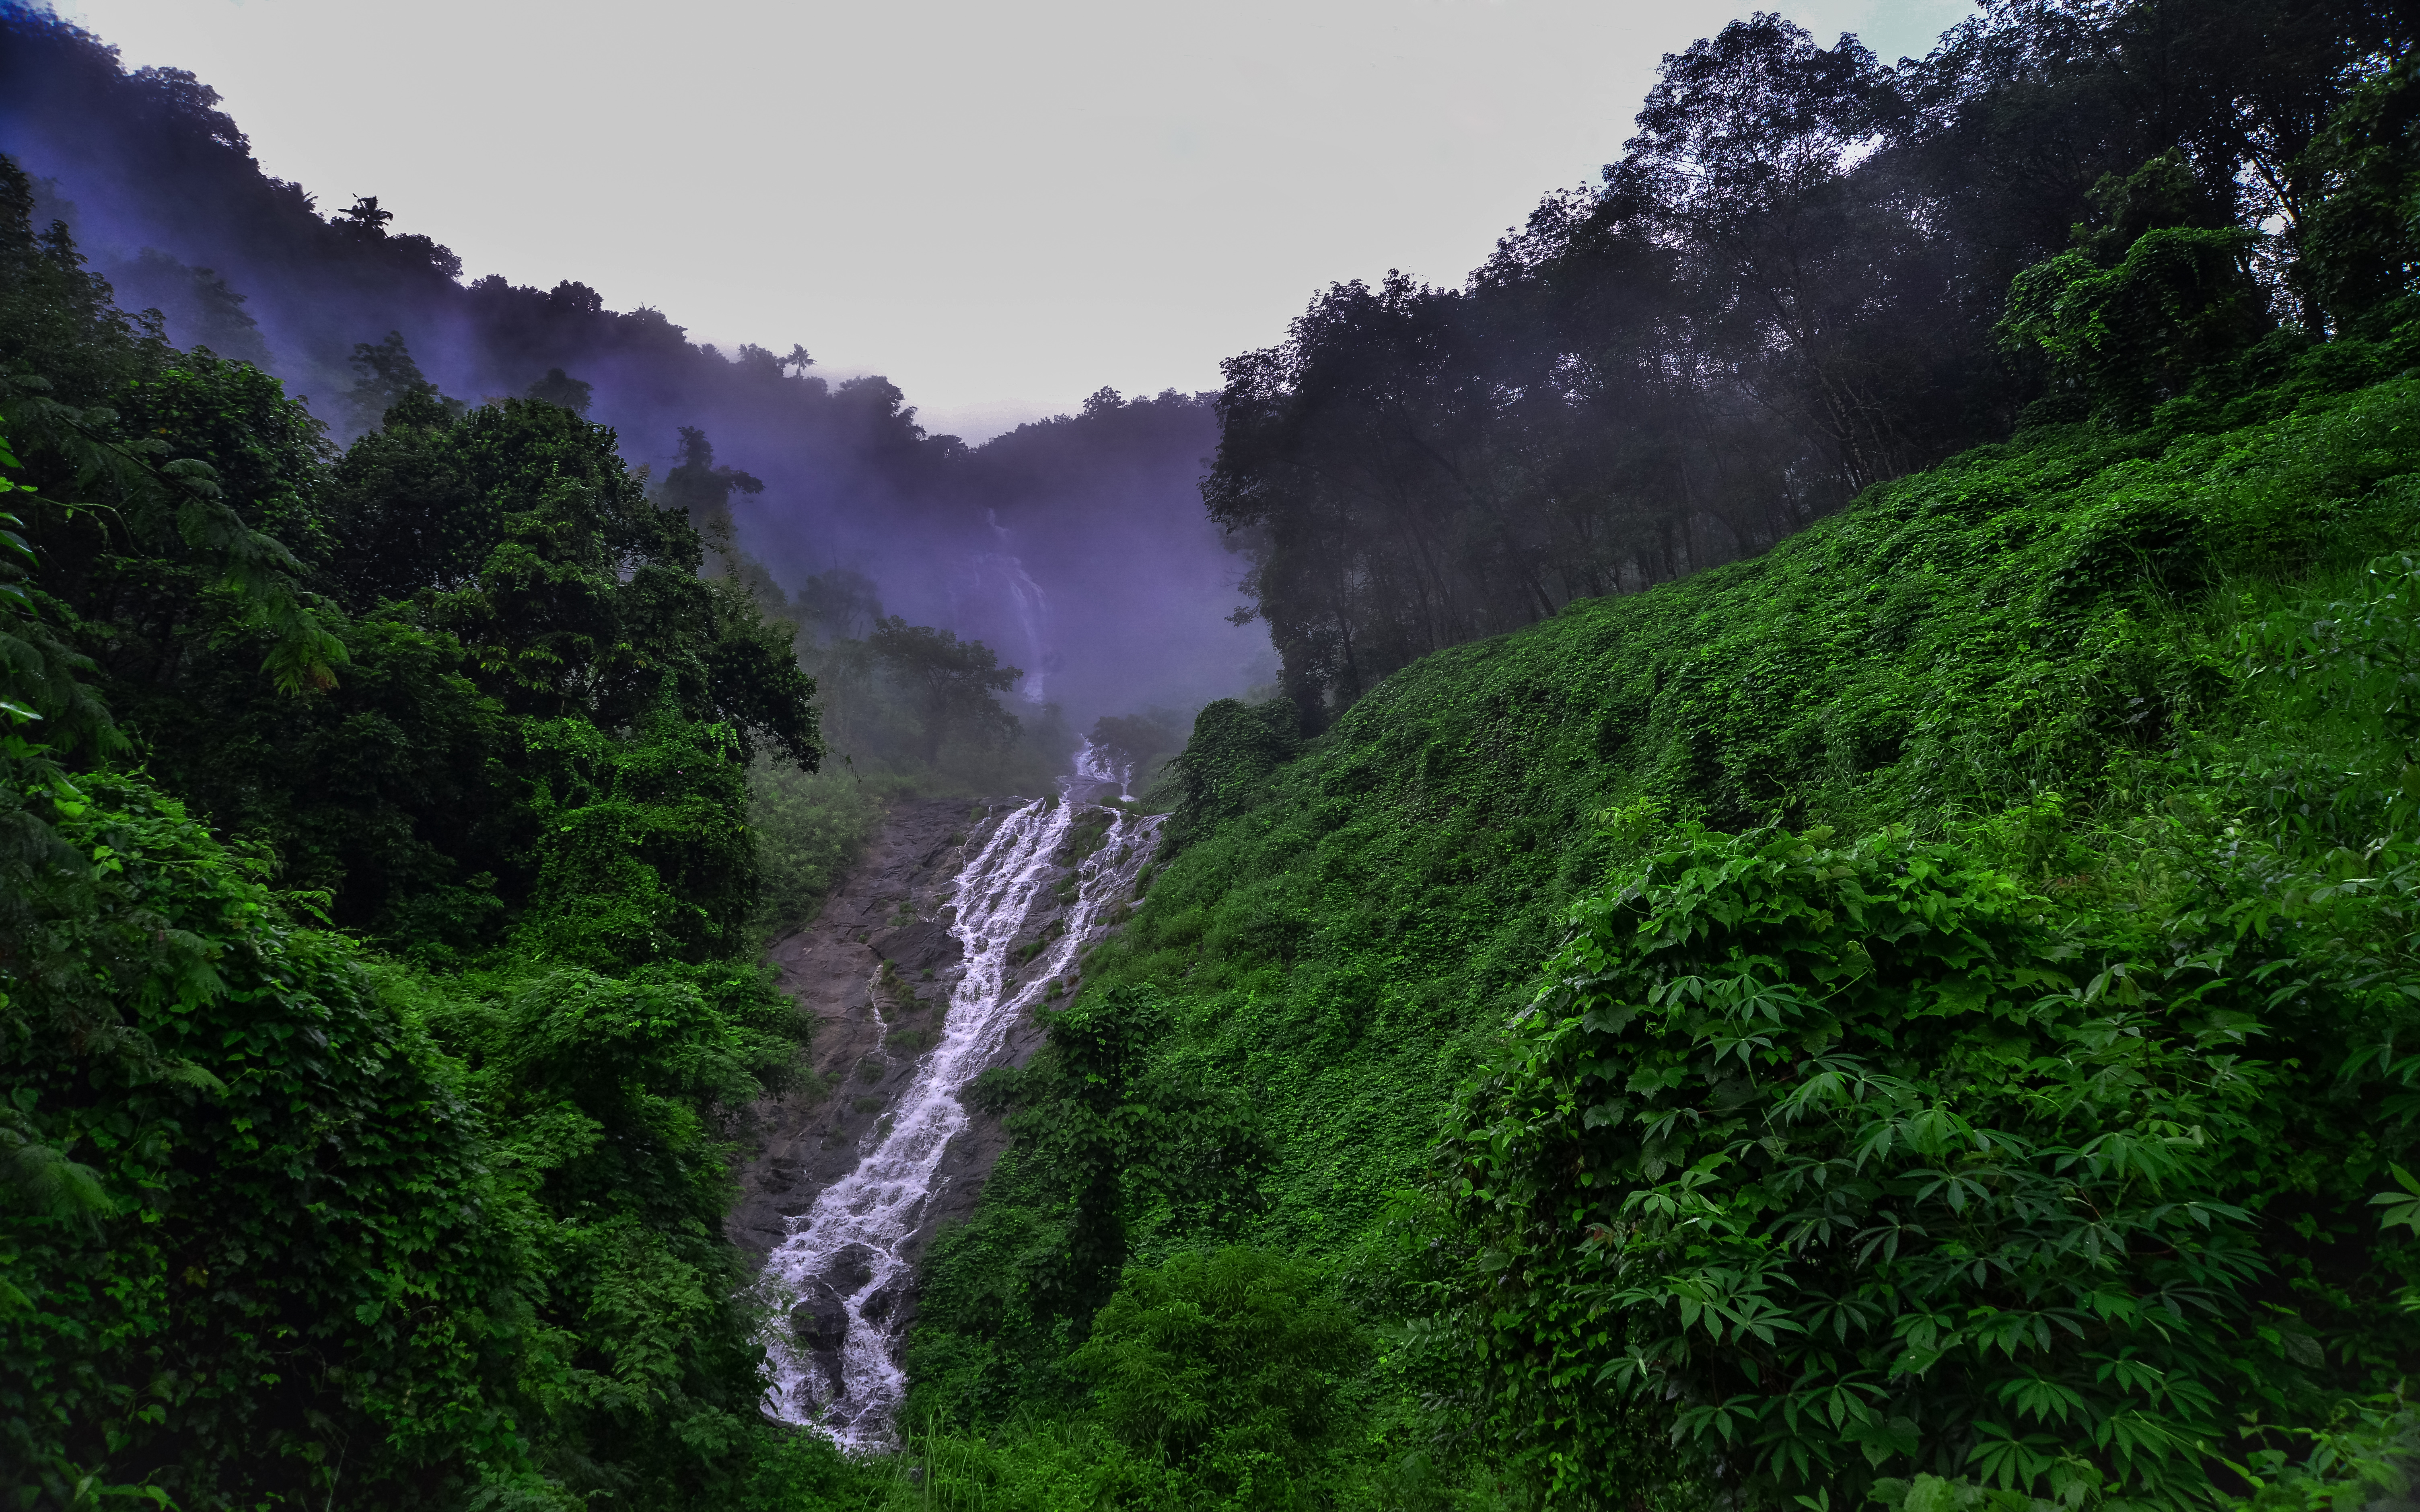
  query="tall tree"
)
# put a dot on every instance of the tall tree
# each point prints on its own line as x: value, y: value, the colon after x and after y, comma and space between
x: 950, y: 681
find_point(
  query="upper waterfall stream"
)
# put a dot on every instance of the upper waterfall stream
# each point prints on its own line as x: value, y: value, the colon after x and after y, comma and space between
x: 849, y: 1249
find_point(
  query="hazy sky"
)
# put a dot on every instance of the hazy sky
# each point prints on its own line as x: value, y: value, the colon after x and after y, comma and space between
x: 1001, y: 205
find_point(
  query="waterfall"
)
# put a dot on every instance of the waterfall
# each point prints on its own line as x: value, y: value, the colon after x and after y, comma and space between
x: 1027, y: 602
x: 843, y: 1268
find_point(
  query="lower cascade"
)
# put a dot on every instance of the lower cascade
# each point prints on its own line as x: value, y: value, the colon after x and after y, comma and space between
x: 845, y: 1260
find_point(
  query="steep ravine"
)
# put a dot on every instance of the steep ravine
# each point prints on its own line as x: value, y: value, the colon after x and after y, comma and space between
x: 923, y: 970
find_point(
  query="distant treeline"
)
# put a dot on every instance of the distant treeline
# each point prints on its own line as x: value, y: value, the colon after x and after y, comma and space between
x: 1791, y: 286
x: 163, y: 196
x: 134, y: 153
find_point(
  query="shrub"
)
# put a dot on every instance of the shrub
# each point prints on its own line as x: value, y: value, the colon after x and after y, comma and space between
x: 1229, y: 1365
x: 1824, y: 1161
x: 265, y: 1265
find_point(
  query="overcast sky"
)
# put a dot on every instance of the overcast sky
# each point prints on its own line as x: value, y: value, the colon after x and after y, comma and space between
x: 1001, y: 205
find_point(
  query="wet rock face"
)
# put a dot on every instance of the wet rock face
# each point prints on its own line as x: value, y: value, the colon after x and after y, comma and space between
x: 927, y: 944
x: 853, y: 1174
x: 877, y: 1307
x: 868, y: 1023
x: 819, y: 1322
x: 892, y: 911
x: 851, y: 1267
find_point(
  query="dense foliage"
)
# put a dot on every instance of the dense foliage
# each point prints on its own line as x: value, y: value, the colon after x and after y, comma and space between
x: 1226, y: 1365
x: 1828, y: 1160
x: 248, y: 1247
x: 373, y: 1098
x: 288, y: 1220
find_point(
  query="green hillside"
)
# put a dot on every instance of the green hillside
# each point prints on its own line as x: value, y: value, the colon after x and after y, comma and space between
x: 2154, y: 681
x: 1913, y: 1016
x: 1918, y: 1016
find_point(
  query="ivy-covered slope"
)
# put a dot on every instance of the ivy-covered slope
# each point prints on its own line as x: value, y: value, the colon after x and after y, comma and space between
x: 2068, y: 628
x: 2030, y: 616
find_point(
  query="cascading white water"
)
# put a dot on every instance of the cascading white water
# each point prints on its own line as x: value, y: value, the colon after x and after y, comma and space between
x: 1094, y: 764
x: 1005, y: 570
x: 843, y: 1261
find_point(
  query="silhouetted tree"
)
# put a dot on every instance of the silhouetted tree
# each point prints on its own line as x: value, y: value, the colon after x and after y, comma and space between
x: 950, y: 682
x: 702, y: 488
x: 559, y: 387
x: 364, y: 217
x: 385, y: 376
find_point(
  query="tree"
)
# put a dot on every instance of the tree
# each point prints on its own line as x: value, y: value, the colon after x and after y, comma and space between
x: 2120, y: 340
x: 1135, y: 738
x: 1785, y: 291
x: 385, y: 376
x: 365, y: 218
x: 164, y: 1136
x: 201, y: 310
x: 702, y: 491
x: 950, y: 681
x: 265, y: 1236
x: 1122, y: 1137
x: 840, y: 604
x: 2362, y: 255
x: 1744, y: 159
x: 504, y: 572
x: 559, y: 387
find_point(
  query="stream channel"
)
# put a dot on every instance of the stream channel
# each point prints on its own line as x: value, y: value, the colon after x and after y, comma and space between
x: 976, y: 919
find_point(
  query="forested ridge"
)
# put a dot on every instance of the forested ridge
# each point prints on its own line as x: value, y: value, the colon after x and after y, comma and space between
x: 379, y: 1002
x: 1822, y: 916
x: 349, y: 308
x: 1792, y: 284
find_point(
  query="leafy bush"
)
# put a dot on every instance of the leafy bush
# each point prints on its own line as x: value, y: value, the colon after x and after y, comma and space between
x: 2179, y: 303
x: 2362, y: 1457
x: 266, y: 1262
x: 1234, y: 748
x: 1228, y: 1365
x: 1824, y: 1160
x: 642, y: 851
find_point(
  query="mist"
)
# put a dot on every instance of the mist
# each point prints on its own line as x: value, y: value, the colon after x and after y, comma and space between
x: 1076, y: 547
